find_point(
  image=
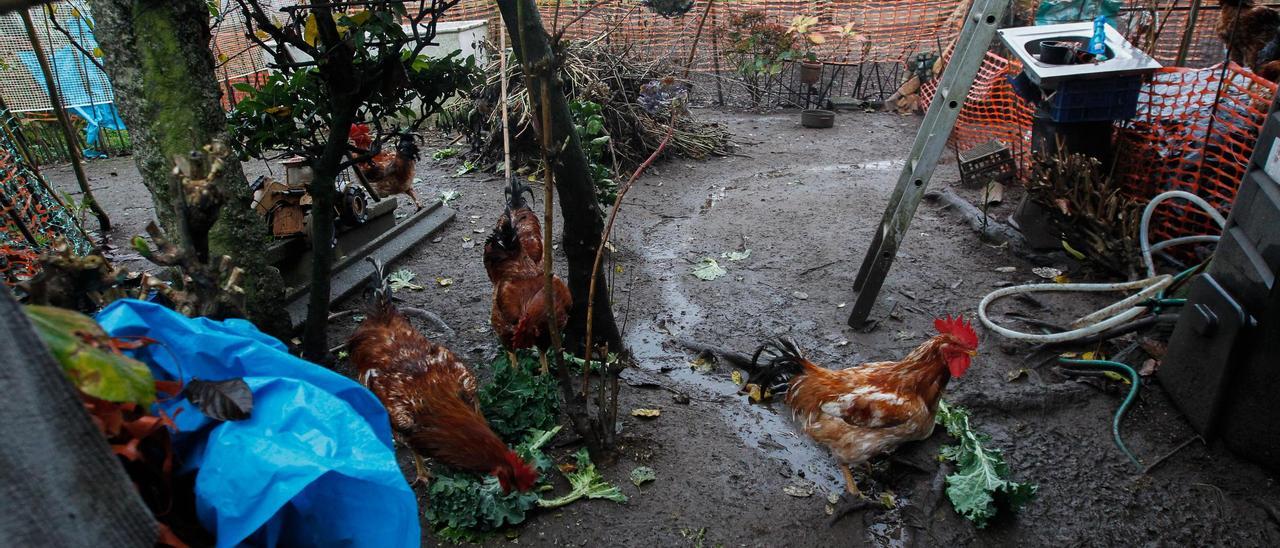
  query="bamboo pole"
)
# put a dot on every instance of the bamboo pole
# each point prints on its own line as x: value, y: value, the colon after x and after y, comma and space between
x: 1185, y: 45
x: 73, y: 149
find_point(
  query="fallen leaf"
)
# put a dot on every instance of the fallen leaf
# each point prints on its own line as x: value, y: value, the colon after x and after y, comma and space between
x: 403, y: 279
x: 1016, y: 374
x: 753, y: 393
x: 229, y: 400
x: 1006, y: 269
x: 1153, y: 347
x: 1149, y: 367
x: 841, y: 305
x: 567, y: 468
x: 642, y: 475
x: 1091, y: 355
x: 448, y: 196
x: 800, y: 295
x: 702, y: 365
x: 842, y: 343
x: 444, y: 282
x: 1046, y: 272
x: 888, y: 500
x: 646, y: 413
x: 737, y: 377
x: 736, y: 255
x: 1116, y: 377
x: 708, y: 269
x: 833, y: 497
x: 904, y: 335
x: 799, y: 489
x: 1061, y: 279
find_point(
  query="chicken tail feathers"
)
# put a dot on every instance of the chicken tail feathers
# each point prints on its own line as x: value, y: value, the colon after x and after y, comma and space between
x: 380, y: 295
x: 515, y: 191
x: 784, y: 360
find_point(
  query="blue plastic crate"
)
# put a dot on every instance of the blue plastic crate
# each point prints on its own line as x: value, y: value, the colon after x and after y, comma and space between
x: 1095, y: 100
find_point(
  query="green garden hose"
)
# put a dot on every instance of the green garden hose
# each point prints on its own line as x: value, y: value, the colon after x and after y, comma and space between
x: 1134, y: 385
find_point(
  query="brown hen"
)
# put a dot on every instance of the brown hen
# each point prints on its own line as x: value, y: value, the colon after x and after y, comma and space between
x: 430, y: 395
x: 513, y: 260
x: 869, y: 410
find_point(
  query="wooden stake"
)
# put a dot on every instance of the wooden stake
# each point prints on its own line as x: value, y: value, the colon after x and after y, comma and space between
x: 506, y: 127
x: 73, y: 148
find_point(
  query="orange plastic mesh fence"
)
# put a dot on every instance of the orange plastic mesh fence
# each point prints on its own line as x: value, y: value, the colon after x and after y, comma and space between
x: 1170, y: 145
x: 1194, y: 131
x: 890, y: 30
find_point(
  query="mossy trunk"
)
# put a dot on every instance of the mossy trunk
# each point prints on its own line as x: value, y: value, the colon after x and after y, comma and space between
x: 157, y: 55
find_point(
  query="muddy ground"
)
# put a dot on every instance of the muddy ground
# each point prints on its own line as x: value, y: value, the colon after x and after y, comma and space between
x: 805, y: 203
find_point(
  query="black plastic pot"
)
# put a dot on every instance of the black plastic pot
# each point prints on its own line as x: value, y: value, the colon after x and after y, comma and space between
x: 816, y: 118
x: 1057, y: 53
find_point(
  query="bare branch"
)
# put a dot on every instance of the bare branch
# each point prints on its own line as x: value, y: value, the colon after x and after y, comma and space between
x: 74, y: 43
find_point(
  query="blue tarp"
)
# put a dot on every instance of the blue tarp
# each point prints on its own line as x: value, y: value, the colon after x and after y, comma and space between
x: 313, y: 465
x: 1053, y: 12
x: 85, y: 89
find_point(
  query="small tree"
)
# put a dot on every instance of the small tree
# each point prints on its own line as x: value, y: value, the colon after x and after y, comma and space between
x: 339, y: 63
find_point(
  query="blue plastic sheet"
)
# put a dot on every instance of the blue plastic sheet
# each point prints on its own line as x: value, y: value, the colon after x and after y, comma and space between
x: 312, y: 466
x: 1052, y: 12
x: 85, y: 89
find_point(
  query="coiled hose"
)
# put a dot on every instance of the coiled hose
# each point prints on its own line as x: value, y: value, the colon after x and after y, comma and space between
x: 1134, y: 384
x: 1150, y: 296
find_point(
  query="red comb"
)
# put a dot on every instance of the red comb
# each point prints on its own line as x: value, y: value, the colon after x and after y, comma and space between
x: 958, y: 328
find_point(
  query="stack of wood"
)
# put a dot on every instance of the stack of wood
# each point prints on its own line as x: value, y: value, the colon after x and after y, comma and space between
x: 906, y: 100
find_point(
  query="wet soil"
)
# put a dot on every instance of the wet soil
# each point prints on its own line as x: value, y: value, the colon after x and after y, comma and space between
x: 805, y: 202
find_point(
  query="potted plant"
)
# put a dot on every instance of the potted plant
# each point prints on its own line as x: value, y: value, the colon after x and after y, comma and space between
x: 802, y: 26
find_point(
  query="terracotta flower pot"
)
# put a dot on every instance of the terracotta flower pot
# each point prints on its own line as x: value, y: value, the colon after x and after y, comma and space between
x: 810, y: 72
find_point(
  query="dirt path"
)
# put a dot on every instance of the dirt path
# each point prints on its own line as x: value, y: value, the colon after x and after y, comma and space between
x: 805, y: 202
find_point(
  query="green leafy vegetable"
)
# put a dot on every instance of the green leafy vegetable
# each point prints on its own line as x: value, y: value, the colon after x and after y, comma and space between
x: 463, y: 504
x: 466, y: 167
x: 585, y: 482
x: 403, y: 279
x: 90, y: 358
x: 448, y: 196
x: 708, y: 269
x: 444, y: 154
x: 736, y: 255
x: 981, y: 476
x: 519, y: 401
x: 642, y: 475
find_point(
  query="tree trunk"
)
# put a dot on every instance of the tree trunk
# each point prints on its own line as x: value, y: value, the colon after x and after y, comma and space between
x: 583, y: 221
x: 157, y: 55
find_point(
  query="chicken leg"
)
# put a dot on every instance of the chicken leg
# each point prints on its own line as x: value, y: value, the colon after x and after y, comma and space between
x: 413, y: 196
x: 850, y: 485
x: 512, y: 360
x: 542, y: 357
x: 423, y: 476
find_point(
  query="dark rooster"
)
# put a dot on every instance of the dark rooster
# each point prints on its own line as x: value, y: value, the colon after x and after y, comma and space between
x: 869, y: 410
x: 430, y: 395
x: 389, y: 172
x: 513, y: 260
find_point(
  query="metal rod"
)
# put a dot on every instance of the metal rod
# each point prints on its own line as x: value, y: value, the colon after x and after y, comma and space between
x: 63, y: 120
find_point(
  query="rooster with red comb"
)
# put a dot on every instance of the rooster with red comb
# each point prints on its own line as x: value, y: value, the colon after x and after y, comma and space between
x: 869, y: 410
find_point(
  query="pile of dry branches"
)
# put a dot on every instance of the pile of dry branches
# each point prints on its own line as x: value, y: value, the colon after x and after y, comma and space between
x: 1090, y: 209
x: 595, y: 72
